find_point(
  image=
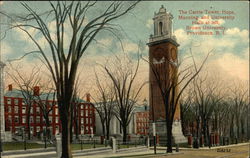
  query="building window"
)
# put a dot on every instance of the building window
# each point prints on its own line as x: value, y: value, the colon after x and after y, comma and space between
x: 16, y: 109
x: 38, y: 129
x: 31, y: 130
x: 37, y: 110
x: 23, y: 102
x: 37, y: 119
x: 87, y: 113
x: 16, y: 119
x: 50, y: 119
x: 16, y: 101
x: 57, y: 129
x: 160, y: 28
x: 87, y: 120
x: 8, y: 101
x: 23, y: 110
x: 31, y: 110
x: 56, y: 111
x: 23, y: 119
x: 82, y: 121
x: 56, y: 119
x: 9, y: 118
x: 31, y: 119
x: 81, y: 112
x: 9, y: 109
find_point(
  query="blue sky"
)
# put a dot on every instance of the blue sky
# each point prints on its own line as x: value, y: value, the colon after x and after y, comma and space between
x: 230, y: 57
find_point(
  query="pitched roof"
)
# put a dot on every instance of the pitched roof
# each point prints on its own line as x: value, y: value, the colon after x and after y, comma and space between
x: 44, y: 96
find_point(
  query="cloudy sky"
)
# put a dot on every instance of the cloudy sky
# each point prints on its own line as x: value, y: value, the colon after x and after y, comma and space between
x: 229, y: 59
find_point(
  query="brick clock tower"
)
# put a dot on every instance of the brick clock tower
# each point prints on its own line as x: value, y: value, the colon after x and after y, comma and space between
x: 163, y: 51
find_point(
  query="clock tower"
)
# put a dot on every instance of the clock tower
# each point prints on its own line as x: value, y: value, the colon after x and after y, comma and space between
x: 163, y: 52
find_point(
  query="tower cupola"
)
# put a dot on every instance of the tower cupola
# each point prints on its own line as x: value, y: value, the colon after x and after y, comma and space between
x: 163, y: 27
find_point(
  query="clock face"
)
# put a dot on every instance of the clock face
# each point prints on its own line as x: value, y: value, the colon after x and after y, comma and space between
x: 158, y: 54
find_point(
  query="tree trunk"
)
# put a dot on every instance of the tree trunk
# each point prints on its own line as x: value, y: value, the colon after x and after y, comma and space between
x: 28, y: 126
x: 124, y: 128
x: 107, y: 131
x: 204, y: 131
x: 242, y: 130
x: 71, y: 126
x: 47, y: 126
x: 103, y: 128
x: 66, y: 147
x: 169, y: 136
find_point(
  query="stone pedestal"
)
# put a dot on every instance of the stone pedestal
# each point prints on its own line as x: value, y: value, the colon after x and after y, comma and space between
x: 58, y: 145
x: 161, y: 131
x: 114, y: 145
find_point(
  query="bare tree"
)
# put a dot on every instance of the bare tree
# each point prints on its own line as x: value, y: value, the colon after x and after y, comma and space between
x: 187, y: 113
x: 46, y: 100
x: 238, y: 104
x: 207, y: 96
x: 104, y: 104
x: 168, y: 81
x: 65, y: 61
x: 122, y: 72
x: 26, y: 84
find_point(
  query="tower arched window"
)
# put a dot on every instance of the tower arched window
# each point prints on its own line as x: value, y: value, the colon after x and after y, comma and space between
x: 160, y: 28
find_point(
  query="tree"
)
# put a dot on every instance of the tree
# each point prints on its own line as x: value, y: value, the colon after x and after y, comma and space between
x: 207, y: 96
x: 187, y: 112
x: 64, y: 62
x: 46, y: 100
x: 122, y: 72
x: 168, y: 79
x: 105, y: 104
x: 238, y: 102
x: 26, y: 84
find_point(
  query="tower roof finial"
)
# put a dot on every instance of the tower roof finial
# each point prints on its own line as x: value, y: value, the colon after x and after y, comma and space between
x: 162, y: 9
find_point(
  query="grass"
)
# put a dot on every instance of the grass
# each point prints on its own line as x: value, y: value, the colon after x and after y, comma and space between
x: 122, y: 146
x: 20, y: 146
x: 85, y: 146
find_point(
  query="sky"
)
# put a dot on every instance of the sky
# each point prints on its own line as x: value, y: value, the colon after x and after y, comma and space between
x: 229, y: 58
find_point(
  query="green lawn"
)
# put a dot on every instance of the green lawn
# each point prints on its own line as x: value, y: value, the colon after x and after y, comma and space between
x: 122, y: 146
x: 85, y: 146
x: 20, y: 146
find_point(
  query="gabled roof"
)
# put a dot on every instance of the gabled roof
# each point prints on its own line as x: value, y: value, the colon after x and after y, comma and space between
x: 15, y: 93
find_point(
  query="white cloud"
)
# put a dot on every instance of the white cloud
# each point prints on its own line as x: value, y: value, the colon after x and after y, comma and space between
x: 105, y: 41
x: 234, y: 66
x: 149, y: 23
x: 1, y: 2
x: 230, y: 57
x: 182, y: 36
x: 244, y: 34
x: 130, y: 47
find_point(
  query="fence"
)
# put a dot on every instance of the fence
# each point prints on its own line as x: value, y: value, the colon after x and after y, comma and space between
x: 131, y: 143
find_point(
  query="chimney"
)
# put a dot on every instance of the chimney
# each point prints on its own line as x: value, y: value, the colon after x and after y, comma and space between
x: 36, y: 90
x: 10, y: 87
x: 88, y: 97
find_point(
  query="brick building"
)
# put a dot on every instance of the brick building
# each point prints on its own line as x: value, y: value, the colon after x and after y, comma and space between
x: 16, y: 112
x: 142, y: 122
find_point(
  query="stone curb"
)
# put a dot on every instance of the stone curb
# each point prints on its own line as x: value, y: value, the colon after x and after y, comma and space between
x: 202, y: 148
x: 16, y: 152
